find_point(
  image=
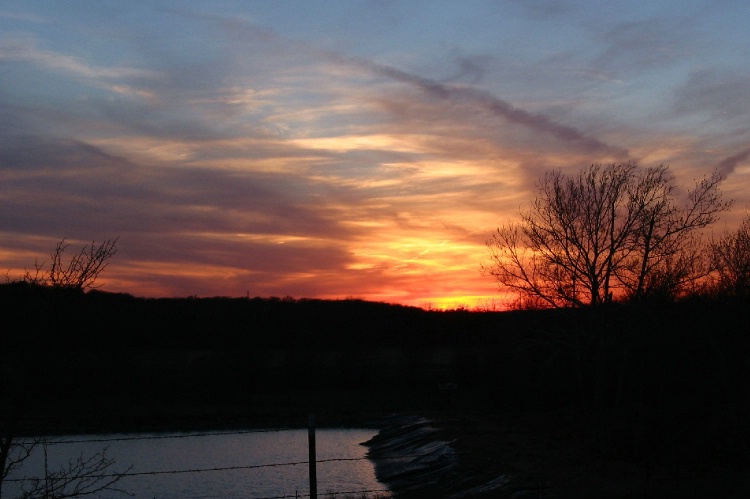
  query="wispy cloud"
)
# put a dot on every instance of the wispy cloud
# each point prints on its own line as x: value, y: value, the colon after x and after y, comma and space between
x: 715, y: 92
x: 23, y: 16
x: 25, y: 50
x: 631, y: 47
x: 485, y: 100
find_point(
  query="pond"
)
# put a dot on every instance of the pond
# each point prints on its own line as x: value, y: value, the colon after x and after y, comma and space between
x: 253, y: 464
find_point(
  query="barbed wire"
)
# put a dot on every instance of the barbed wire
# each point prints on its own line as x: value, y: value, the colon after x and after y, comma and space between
x: 330, y: 493
x: 326, y: 494
x: 237, y: 467
x: 152, y: 437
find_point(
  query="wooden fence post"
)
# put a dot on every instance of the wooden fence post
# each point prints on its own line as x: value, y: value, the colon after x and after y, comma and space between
x: 311, y: 458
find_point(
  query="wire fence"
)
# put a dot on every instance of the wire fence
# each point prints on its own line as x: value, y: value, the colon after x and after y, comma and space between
x: 154, y: 437
x: 327, y: 494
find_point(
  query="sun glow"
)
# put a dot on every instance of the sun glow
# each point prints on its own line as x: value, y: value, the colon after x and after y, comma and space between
x: 394, y: 143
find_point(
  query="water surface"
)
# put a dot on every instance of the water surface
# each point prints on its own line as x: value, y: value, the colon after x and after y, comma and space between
x: 263, y: 458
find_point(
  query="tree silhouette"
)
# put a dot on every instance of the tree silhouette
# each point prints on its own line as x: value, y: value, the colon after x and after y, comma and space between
x: 86, y: 475
x: 79, y: 271
x: 614, y: 230
x: 83, y: 476
x: 730, y: 259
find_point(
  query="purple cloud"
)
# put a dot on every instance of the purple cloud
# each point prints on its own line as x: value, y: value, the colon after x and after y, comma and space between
x: 485, y: 100
x: 728, y: 165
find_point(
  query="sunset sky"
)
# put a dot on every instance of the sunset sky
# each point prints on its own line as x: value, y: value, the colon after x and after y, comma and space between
x: 336, y: 149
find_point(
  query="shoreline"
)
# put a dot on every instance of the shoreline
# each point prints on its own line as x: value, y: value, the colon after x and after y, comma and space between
x: 535, y: 454
x: 413, y: 458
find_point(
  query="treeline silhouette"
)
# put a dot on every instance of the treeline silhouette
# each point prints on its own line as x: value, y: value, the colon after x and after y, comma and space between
x: 641, y: 379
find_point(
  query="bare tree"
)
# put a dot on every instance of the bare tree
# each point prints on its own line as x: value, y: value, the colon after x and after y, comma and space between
x: 668, y: 252
x: 79, y: 271
x: 82, y: 476
x: 613, y: 230
x: 730, y: 260
x: 12, y: 456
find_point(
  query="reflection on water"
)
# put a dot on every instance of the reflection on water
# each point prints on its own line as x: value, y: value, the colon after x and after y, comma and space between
x: 225, y: 450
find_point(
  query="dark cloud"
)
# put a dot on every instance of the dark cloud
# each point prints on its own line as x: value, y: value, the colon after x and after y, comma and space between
x: 717, y: 92
x: 470, y: 68
x: 27, y: 153
x: 75, y: 189
x: 634, y: 46
x: 546, y: 10
x: 257, y: 229
x: 501, y: 108
x: 727, y: 166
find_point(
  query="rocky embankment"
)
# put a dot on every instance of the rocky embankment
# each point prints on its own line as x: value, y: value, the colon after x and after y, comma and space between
x: 534, y: 455
x: 413, y: 457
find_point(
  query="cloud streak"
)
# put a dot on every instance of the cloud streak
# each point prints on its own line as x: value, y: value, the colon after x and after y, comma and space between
x: 501, y: 108
x: 728, y: 165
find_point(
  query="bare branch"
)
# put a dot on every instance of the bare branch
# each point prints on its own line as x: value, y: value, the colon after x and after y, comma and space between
x: 609, y: 230
x: 80, y: 271
x: 730, y: 262
x: 82, y: 476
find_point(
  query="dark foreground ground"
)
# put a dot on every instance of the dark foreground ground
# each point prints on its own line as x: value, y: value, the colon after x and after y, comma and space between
x: 648, y: 400
x: 546, y: 456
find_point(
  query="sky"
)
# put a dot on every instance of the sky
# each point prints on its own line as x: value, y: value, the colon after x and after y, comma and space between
x: 339, y: 149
